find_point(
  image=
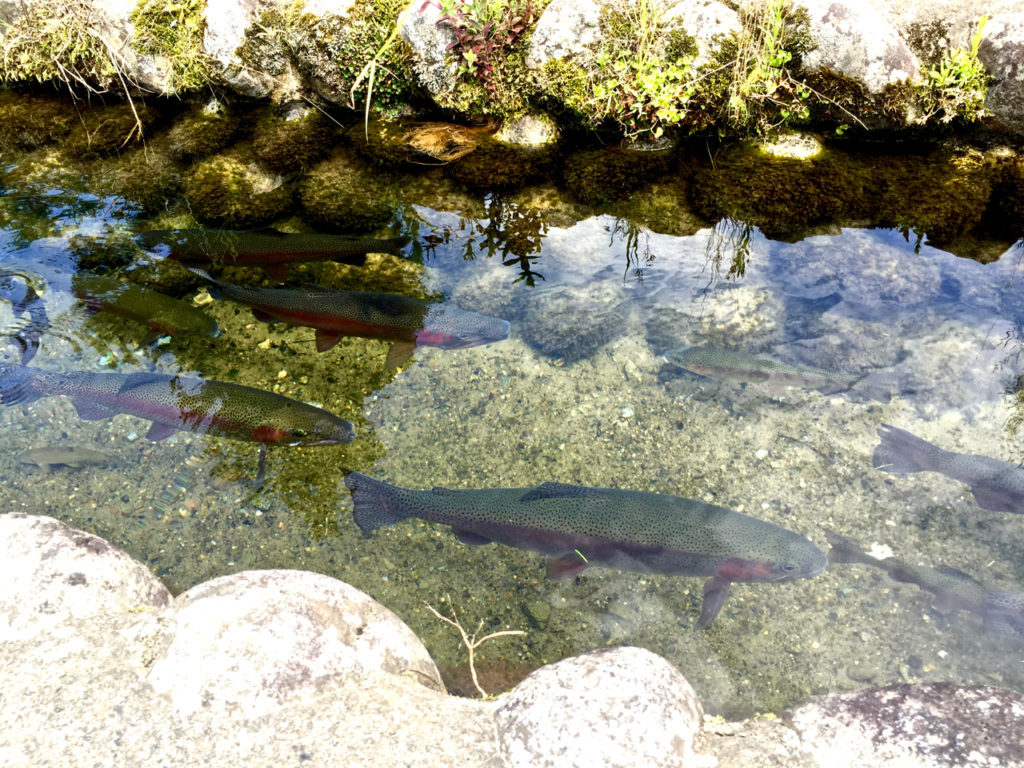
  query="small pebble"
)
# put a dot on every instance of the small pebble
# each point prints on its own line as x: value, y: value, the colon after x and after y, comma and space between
x: 761, y: 453
x: 627, y: 412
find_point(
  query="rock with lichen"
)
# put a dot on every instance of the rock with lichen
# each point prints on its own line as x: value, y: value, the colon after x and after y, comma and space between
x: 203, y: 130
x: 234, y: 190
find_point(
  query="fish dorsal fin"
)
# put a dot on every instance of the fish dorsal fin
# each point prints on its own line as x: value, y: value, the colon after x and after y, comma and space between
x: 558, y: 491
x: 399, y: 354
x: 89, y: 410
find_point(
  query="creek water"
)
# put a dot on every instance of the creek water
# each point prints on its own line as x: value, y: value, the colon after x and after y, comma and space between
x: 580, y: 393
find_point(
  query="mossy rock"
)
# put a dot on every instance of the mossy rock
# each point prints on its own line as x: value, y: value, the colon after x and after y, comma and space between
x: 147, y: 175
x: 382, y: 142
x: 785, y: 196
x: 109, y: 129
x: 113, y: 249
x: 662, y: 207
x: 165, y: 276
x: 342, y: 194
x: 233, y: 190
x: 942, y: 194
x: 201, y: 131
x: 498, y: 165
x: 602, y: 175
x: 292, y: 139
x: 28, y: 122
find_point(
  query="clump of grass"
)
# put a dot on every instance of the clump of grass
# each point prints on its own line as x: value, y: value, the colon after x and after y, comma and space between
x: 64, y: 42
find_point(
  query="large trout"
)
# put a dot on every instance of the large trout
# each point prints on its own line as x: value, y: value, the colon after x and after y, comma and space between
x: 173, y: 403
x: 996, y: 484
x: 268, y: 248
x: 578, y: 526
x: 405, y: 320
x: 163, y: 314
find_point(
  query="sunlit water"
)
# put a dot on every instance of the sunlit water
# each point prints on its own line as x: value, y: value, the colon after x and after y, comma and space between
x: 580, y: 394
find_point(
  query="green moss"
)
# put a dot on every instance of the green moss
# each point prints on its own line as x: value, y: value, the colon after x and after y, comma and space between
x: 27, y: 122
x: 599, y: 176
x: 174, y: 29
x: 382, y: 142
x: 233, y: 190
x: 497, y: 165
x: 147, y: 175
x: 105, y: 130
x: 506, y: 96
x: 112, y: 249
x: 293, y: 141
x: 342, y: 194
x: 202, y: 131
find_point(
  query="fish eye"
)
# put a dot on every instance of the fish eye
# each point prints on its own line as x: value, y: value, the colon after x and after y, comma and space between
x: 788, y: 567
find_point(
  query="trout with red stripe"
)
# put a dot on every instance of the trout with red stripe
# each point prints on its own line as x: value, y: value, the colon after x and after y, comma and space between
x: 174, y: 403
x: 577, y: 526
x: 269, y: 248
x: 405, y: 320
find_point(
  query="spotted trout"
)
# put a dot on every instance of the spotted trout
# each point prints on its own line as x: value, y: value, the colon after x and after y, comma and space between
x: 737, y: 366
x: 164, y: 314
x: 173, y: 403
x: 996, y: 484
x: 1001, y: 612
x: 577, y: 526
x: 405, y: 320
x: 269, y: 248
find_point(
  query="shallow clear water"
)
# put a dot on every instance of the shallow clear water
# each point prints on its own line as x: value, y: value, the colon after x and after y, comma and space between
x: 579, y: 393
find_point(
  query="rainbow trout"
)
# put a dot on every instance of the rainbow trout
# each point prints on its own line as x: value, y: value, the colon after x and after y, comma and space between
x: 163, y: 314
x: 737, y: 366
x: 996, y: 484
x: 576, y: 526
x: 269, y: 248
x: 1001, y: 612
x: 405, y: 320
x: 173, y: 403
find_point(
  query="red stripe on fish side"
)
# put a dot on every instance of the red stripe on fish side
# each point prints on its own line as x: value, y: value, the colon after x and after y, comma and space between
x: 738, y: 569
x: 342, y: 325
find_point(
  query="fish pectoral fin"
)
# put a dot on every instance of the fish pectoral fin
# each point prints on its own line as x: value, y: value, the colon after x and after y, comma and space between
x: 326, y: 339
x: 565, y: 567
x: 158, y: 431
x: 399, y: 354
x: 997, y: 499
x: 92, y: 411
x: 558, y: 491
x: 263, y: 316
x: 715, y: 591
x: 470, y: 538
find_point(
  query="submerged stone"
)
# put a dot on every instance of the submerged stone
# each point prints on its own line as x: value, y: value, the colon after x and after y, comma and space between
x: 235, y: 191
x: 203, y: 130
x: 340, y: 193
x: 601, y: 175
x: 28, y: 122
x: 292, y: 137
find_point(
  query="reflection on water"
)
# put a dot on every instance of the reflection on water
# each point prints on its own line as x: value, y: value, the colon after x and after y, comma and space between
x: 579, y: 393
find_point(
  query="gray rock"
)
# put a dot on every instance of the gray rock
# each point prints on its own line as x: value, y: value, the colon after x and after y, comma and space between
x: 566, y: 28
x: 853, y: 38
x: 623, y: 702
x: 255, y: 641
x: 1002, y: 53
x: 928, y: 725
x: 529, y: 130
x: 428, y: 40
x: 706, y: 21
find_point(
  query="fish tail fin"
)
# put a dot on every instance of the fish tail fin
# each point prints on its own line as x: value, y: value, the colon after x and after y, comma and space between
x: 901, y: 452
x: 17, y: 384
x: 374, y: 503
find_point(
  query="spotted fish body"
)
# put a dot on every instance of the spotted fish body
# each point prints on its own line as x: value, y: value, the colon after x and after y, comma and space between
x: 578, y: 526
x: 737, y: 366
x: 265, y: 247
x: 996, y: 484
x: 406, y: 320
x: 174, y: 403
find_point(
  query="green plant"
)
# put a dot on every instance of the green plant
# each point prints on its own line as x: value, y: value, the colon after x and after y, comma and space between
x: 484, y: 31
x: 762, y: 94
x: 641, y: 82
x: 957, y: 85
